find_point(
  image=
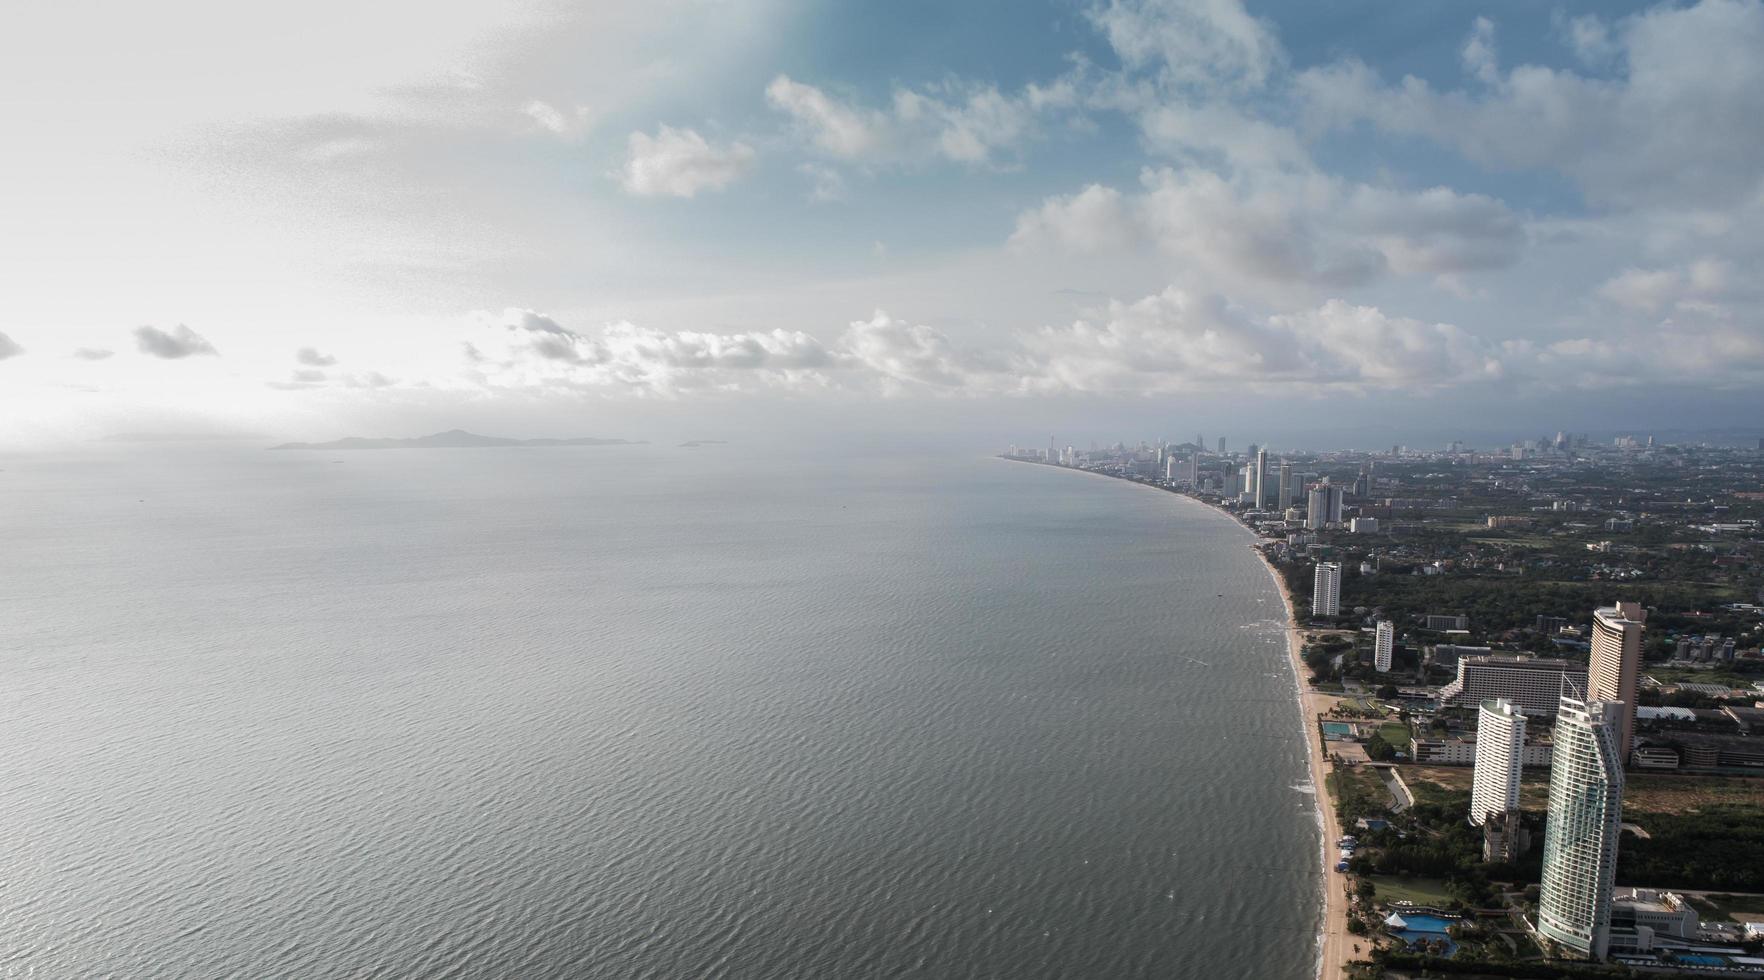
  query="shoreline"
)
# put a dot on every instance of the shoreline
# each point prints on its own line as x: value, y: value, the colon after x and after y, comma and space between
x: 1333, y: 941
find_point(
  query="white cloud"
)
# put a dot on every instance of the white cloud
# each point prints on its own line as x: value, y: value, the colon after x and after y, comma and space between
x: 180, y: 342
x: 1677, y: 128
x: 93, y: 353
x: 313, y: 357
x: 1206, y: 44
x: 1283, y: 228
x: 1478, y: 53
x: 827, y: 184
x: 1175, y: 341
x: 681, y: 163
x: 571, y: 125
x: 9, y: 348
x: 960, y: 122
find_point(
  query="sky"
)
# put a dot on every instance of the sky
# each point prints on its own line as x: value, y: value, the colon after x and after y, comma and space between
x: 978, y: 220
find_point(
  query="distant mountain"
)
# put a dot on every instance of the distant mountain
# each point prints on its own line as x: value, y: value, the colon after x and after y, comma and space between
x: 451, y: 439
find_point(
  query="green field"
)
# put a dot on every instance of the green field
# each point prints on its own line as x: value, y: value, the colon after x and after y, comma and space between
x: 1421, y: 891
x: 1395, y: 734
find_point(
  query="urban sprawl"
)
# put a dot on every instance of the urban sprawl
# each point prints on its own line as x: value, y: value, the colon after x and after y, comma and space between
x: 1536, y: 676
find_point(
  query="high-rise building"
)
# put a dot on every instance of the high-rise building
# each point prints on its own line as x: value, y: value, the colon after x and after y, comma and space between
x: 1170, y: 469
x: 1500, y: 739
x: 1323, y: 507
x: 1228, y: 479
x: 1285, y: 484
x: 1326, y: 589
x: 1385, y: 646
x: 1532, y: 684
x: 1260, y: 490
x: 1191, y: 472
x: 1616, y: 663
x: 1580, y: 839
x: 1221, y: 445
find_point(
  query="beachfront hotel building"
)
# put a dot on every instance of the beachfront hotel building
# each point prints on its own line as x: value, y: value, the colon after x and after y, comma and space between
x: 1580, y: 839
x: 1260, y: 490
x: 1500, y: 744
x: 1285, y: 485
x: 1616, y: 663
x: 1326, y: 589
x: 1384, y: 646
x: 1531, y: 684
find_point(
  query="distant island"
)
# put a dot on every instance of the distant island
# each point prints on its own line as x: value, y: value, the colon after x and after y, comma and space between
x: 695, y: 443
x: 451, y: 439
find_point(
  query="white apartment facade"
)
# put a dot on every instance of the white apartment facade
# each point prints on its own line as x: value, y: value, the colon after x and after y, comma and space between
x: 1500, y: 746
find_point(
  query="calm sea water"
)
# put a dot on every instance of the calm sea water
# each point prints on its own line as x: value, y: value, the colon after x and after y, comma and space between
x: 637, y: 712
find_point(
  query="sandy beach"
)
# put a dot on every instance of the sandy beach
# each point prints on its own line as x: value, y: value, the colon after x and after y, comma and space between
x: 1337, y: 942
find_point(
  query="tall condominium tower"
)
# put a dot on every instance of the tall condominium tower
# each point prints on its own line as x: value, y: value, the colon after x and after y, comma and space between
x: 1323, y: 506
x: 1326, y: 589
x: 1285, y: 484
x: 1171, y: 469
x: 1385, y: 646
x: 1221, y: 445
x: 1500, y: 738
x: 1580, y: 840
x: 1616, y: 663
x: 1260, y: 490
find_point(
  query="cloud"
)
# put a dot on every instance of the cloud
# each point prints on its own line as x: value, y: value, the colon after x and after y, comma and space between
x: 1696, y: 285
x: 1176, y: 341
x: 9, y: 348
x: 571, y: 125
x: 311, y: 357
x: 681, y: 163
x: 1206, y: 44
x: 93, y: 353
x: 1478, y: 53
x: 1283, y: 228
x: 1676, y: 127
x: 828, y: 185
x: 956, y: 121
x: 178, y: 343
x: 899, y: 352
x: 523, y: 348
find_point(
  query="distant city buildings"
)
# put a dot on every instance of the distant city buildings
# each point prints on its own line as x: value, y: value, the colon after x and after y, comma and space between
x: 1580, y: 838
x: 1384, y: 646
x: 1363, y: 525
x: 1326, y: 589
x: 1616, y: 663
x: 1500, y: 741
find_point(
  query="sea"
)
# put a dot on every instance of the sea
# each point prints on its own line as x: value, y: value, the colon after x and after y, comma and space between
x: 638, y: 712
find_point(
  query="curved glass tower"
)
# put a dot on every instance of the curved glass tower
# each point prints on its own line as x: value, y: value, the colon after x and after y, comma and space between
x: 1580, y: 841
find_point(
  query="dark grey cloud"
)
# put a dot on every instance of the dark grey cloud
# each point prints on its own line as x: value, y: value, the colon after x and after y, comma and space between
x: 93, y: 353
x: 312, y: 357
x: 180, y: 342
x: 9, y: 347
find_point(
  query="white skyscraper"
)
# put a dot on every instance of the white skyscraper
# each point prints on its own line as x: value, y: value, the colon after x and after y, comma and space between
x: 1259, y: 492
x: 1170, y: 469
x: 1580, y: 839
x: 1286, y: 488
x: 1616, y: 663
x: 1385, y: 646
x: 1326, y: 589
x: 1500, y: 738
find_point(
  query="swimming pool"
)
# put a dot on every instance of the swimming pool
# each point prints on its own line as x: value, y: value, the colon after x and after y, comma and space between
x: 1701, y: 959
x: 1337, y: 730
x: 1419, y: 927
